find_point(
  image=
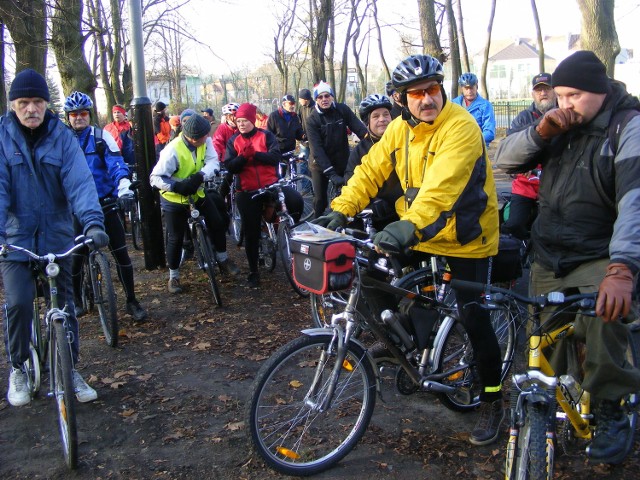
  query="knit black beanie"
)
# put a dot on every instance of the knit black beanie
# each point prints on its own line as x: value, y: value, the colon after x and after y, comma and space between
x: 582, y: 70
x: 196, y: 127
x: 29, y: 84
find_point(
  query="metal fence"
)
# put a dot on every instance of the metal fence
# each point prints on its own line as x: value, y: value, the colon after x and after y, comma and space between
x: 506, y: 111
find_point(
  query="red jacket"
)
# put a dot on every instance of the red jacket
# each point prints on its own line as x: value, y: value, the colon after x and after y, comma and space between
x: 220, y: 138
x: 257, y: 171
x: 527, y: 184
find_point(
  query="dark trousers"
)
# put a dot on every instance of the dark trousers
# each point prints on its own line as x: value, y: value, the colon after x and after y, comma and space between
x: 320, y: 198
x: 477, y: 323
x: 19, y: 292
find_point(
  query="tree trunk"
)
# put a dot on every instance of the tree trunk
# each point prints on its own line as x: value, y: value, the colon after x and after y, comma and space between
x: 454, y: 52
x: 487, y: 48
x: 26, y: 21
x: 536, y: 20
x: 598, y: 32
x: 321, y: 14
x: 374, y: 6
x: 67, y: 41
x: 462, y: 43
x: 428, y: 30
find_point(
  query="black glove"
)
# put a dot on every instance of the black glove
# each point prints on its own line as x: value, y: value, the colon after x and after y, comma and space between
x: 396, y: 236
x: 337, y: 180
x: 332, y: 221
x: 99, y: 237
x: 126, y: 202
x: 189, y: 185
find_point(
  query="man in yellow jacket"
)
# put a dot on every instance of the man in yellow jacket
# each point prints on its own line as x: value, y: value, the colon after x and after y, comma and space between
x: 449, y: 206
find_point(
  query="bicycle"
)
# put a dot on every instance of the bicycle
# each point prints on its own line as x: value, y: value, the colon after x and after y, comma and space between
x: 546, y: 408
x: 54, y: 344
x: 96, y: 287
x: 312, y: 400
x: 204, y: 251
x: 290, y: 169
x: 132, y: 214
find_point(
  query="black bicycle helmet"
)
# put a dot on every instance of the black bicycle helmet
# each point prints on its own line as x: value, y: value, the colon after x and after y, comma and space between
x: 467, y: 80
x: 372, y: 102
x: 390, y: 89
x: 415, y: 69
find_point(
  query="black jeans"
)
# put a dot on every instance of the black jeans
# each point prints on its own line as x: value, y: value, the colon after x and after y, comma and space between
x: 320, y: 198
x: 477, y: 323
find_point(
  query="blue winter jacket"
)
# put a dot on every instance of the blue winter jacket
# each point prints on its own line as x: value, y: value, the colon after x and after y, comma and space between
x: 41, y: 187
x: 108, y: 171
x: 482, y: 111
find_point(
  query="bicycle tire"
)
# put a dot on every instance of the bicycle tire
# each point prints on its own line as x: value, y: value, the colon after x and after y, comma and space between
x: 31, y: 367
x: 63, y: 391
x: 286, y: 424
x: 207, y: 261
x: 303, y: 185
x: 268, y: 248
x: 235, y: 225
x: 136, y: 226
x: 284, y: 250
x: 104, y: 296
x: 323, y: 307
x: 533, y: 460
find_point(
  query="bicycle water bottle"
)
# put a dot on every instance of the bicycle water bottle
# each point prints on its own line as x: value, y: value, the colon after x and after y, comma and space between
x: 571, y: 387
x: 446, y: 279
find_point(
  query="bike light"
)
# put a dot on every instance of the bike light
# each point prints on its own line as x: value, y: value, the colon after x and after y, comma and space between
x: 347, y: 366
x: 52, y: 269
x: 287, y: 453
x: 195, y: 213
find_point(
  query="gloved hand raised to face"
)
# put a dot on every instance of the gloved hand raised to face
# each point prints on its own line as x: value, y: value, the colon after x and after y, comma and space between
x: 99, y: 237
x: 189, y: 185
x: 332, y: 220
x: 556, y: 122
x: 614, y: 294
x: 396, y: 237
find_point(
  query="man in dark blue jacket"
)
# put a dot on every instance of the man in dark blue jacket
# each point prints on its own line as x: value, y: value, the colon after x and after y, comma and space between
x: 44, y: 180
x: 285, y: 124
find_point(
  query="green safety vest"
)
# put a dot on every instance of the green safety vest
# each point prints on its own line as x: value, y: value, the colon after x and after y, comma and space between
x: 187, y: 167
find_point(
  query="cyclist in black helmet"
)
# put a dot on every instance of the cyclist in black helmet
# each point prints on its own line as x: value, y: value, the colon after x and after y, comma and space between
x: 449, y: 206
x: 396, y: 110
x: 479, y: 107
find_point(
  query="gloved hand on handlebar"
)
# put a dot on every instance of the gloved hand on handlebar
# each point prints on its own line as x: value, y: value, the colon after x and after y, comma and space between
x: 124, y: 188
x: 614, y: 294
x: 190, y: 185
x: 556, y: 122
x: 337, y: 180
x: 99, y: 237
x: 332, y: 221
x: 397, y: 236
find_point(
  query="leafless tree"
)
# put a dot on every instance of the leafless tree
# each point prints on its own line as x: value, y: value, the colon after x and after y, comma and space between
x: 281, y: 37
x: 598, y: 32
x: 429, y: 31
x: 321, y: 13
x: 26, y: 21
x: 454, y: 49
x: 462, y: 42
x: 359, y: 16
x: 487, y: 48
x: 536, y: 21
x: 374, y: 14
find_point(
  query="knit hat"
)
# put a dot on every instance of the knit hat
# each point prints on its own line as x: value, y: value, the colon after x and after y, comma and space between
x: 29, y: 84
x: 305, y: 94
x: 583, y: 71
x: 186, y: 113
x: 174, y: 120
x: 160, y: 106
x: 248, y: 112
x: 119, y: 108
x: 322, y: 87
x: 196, y: 127
x: 541, y: 79
x: 288, y: 98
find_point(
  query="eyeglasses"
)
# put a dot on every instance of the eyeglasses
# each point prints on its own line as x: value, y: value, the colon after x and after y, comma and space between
x: 83, y: 113
x: 431, y: 90
x: 323, y: 96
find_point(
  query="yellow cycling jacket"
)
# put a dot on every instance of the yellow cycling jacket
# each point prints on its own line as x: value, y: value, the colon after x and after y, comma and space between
x: 455, y: 211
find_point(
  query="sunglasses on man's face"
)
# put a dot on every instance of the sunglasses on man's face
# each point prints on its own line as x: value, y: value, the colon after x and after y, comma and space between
x: 418, y: 94
x: 83, y: 114
x: 323, y: 96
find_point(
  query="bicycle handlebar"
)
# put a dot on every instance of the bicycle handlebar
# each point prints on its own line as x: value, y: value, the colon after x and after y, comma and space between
x: 81, y: 241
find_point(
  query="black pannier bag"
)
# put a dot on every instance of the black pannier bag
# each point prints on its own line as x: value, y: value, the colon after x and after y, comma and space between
x: 322, y: 262
x: 507, y: 264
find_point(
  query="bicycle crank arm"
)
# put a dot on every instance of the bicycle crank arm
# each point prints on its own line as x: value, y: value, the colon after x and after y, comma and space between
x: 431, y: 386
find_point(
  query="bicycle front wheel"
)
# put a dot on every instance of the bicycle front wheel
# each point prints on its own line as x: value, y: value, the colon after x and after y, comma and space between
x: 294, y: 426
x: 207, y: 261
x: 284, y: 249
x: 323, y: 307
x: 63, y: 392
x: 303, y: 185
x: 236, y: 224
x: 534, y: 455
x: 104, y: 296
x: 136, y: 226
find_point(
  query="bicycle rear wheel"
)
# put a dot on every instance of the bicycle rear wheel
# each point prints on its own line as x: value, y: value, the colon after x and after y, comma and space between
x: 104, y: 296
x: 290, y: 426
x: 63, y: 391
x: 304, y: 186
x: 284, y: 234
x: 207, y: 261
x: 236, y: 224
x: 136, y: 226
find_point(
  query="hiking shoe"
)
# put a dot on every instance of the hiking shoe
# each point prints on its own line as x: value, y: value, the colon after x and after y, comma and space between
x: 613, y: 436
x: 18, y: 394
x: 228, y: 267
x: 138, y: 313
x: 84, y: 393
x: 487, y: 428
x: 381, y: 353
x: 174, y: 286
x: 253, y: 280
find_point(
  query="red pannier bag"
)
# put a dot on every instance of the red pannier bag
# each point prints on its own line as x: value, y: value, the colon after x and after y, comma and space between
x: 322, y: 263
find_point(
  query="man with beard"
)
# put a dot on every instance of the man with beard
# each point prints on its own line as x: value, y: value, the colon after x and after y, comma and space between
x: 524, y: 188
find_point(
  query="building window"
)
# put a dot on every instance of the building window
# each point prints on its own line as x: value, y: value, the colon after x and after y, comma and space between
x: 498, y: 71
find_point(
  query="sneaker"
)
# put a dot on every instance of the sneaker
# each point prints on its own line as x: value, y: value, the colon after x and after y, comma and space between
x: 253, y: 280
x: 381, y: 353
x: 228, y: 267
x: 174, y: 285
x: 18, y: 394
x: 84, y: 393
x: 487, y: 428
x: 136, y: 311
x: 613, y: 436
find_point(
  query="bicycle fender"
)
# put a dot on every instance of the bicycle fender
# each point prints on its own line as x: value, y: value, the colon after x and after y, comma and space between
x: 438, y: 343
x: 317, y: 332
